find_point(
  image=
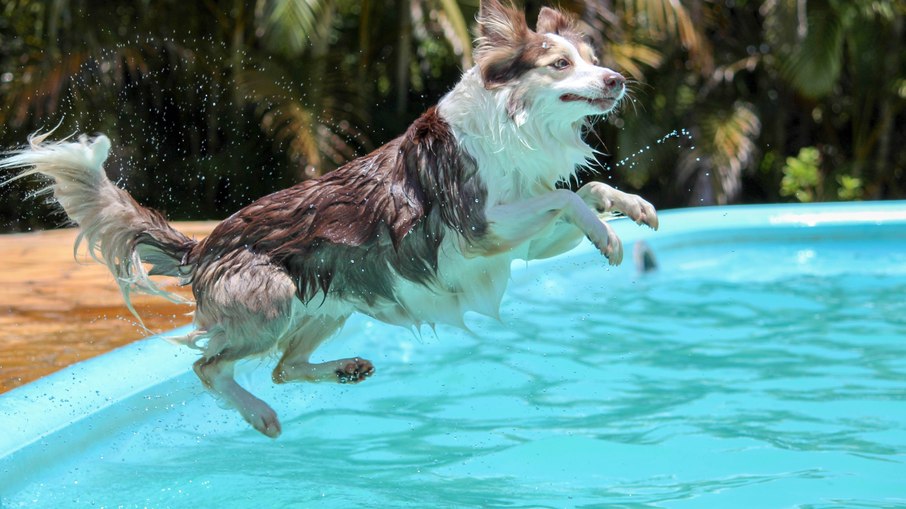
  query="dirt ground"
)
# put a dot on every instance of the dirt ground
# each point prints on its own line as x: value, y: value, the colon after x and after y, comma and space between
x: 56, y: 310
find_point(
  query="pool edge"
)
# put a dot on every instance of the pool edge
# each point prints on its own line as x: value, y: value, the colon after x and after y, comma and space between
x: 101, y: 382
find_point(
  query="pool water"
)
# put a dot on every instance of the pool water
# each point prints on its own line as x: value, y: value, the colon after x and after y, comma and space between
x: 756, y: 367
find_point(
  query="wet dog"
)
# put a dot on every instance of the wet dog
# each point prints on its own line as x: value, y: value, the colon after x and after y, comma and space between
x: 417, y: 232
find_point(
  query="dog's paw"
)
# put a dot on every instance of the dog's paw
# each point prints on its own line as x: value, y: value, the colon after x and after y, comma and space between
x: 607, y: 242
x: 353, y: 371
x: 262, y: 417
x: 638, y: 209
x: 605, y: 199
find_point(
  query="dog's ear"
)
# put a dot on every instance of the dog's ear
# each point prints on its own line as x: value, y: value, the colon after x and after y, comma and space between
x: 552, y: 21
x: 500, y: 24
x: 503, y: 36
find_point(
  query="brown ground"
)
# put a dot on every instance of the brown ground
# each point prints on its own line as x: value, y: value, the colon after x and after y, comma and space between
x: 55, y: 311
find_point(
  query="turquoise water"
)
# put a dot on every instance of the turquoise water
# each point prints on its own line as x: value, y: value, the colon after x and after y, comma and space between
x: 764, y: 370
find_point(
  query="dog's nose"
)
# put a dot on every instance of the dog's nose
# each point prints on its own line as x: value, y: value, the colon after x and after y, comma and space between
x: 613, y: 80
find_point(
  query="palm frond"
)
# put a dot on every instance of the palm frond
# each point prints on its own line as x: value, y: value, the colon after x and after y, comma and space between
x: 289, y: 26
x: 727, y: 148
x: 283, y: 117
x: 660, y: 18
x: 630, y: 58
x: 813, y: 66
x: 456, y: 30
x: 304, y: 129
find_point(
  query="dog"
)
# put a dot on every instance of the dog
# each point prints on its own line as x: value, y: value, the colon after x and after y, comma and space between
x: 417, y: 232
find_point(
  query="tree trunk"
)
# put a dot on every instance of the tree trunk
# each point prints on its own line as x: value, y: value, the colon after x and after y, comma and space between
x: 404, y: 58
x: 885, y: 124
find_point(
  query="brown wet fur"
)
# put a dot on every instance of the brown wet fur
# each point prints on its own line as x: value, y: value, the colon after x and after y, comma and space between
x: 387, y: 212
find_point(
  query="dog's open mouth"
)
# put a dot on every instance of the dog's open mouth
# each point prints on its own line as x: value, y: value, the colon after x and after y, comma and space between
x: 605, y: 103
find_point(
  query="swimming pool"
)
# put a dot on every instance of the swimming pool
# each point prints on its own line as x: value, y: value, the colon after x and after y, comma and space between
x: 763, y: 364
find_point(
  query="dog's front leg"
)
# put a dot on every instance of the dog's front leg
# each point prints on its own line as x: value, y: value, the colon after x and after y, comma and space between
x: 562, y: 238
x: 511, y: 225
x: 602, y: 198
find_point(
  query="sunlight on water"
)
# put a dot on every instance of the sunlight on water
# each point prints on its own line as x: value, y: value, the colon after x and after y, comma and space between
x: 766, y: 374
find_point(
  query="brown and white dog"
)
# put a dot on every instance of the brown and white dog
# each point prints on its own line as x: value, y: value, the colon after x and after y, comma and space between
x: 417, y: 232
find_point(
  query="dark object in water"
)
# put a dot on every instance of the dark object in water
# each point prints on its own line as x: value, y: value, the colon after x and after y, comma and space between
x: 643, y: 257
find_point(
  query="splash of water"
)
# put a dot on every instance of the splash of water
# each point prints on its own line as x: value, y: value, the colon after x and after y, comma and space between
x: 682, y: 136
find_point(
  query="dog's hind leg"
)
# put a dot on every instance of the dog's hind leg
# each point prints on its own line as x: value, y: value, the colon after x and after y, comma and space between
x: 244, y: 308
x: 295, y: 366
x: 217, y: 374
x: 351, y: 370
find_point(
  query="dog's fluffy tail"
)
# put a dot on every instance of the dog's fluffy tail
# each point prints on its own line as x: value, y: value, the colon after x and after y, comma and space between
x: 119, y: 232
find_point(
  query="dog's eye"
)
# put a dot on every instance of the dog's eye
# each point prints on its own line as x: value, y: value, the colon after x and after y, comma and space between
x: 560, y: 64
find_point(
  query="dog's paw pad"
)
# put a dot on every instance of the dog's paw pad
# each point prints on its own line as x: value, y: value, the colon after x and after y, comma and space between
x: 354, y: 371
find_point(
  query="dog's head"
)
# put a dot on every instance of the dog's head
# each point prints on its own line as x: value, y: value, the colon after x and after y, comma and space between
x: 550, y: 72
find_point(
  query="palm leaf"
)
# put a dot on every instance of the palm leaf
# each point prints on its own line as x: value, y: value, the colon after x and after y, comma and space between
x: 459, y: 35
x: 814, y: 66
x: 304, y: 129
x: 657, y: 18
x: 283, y: 116
x: 288, y: 26
x: 727, y: 148
x: 629, y: 58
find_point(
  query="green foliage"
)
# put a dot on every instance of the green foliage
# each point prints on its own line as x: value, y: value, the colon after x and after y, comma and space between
x: 804, y: 179
x: 214, y: 103
x: 802, y: 175
x: 289, y: 26
x: 850, y: 188
x: 814, y: 65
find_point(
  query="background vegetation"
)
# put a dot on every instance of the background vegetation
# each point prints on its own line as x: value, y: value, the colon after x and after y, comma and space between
x: 213, y: 103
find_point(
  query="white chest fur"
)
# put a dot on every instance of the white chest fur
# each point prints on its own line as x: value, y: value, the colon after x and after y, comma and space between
x: 519, y: 153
